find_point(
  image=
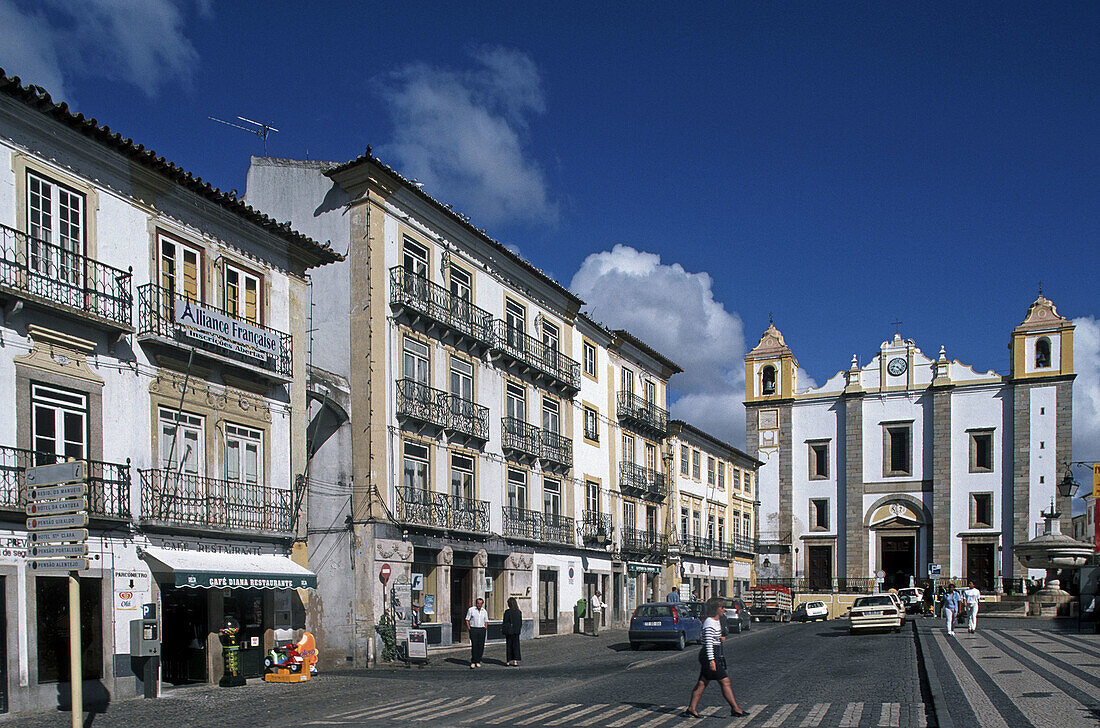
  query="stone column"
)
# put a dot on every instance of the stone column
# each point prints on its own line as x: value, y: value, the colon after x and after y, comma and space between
x: 481, y: 560
x: 443, y: 561
x: 1021, y: 470
x: 940, y: 538
x: 786, y: 566
x: 855, y: 549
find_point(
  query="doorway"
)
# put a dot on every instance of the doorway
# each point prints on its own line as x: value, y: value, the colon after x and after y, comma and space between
x: 898, y: 560
x: 819, y: 568
x: 548, y: 601
x: 460, y: 602
x: 3, y: 646
x: 979, y: 565
x: 185, y: 630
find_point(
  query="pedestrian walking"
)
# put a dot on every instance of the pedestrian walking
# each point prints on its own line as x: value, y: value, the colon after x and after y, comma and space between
x: 513, y: 625
x: 596, y: 605
x: 674, y: 595
x: 477, y: 620
x: 712, y: 661
x: 972, y: 595
x: 950, y: 607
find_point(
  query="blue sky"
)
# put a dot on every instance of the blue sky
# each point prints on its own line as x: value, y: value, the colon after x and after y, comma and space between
x: 688, y: 168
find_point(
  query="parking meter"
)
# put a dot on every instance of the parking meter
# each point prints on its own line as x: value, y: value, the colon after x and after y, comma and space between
x: 144, y: 638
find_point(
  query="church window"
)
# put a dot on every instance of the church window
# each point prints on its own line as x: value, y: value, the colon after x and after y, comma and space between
x: 819, y: 460
x: 981, y: 451
x: 819, y: 514
x: 981, y: 510
x: 1042, y: 353
x: 767, y: 380
x: 897, y: 450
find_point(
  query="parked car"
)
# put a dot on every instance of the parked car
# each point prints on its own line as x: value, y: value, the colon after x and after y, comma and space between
x: 737, y: 618
x: 673, y: 623
x: 913, y: 599
x: 893, y: 594
x: 810, y: 612
x: 875, y: 611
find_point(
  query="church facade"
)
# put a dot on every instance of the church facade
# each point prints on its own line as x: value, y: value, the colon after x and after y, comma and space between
x: 909, y: 461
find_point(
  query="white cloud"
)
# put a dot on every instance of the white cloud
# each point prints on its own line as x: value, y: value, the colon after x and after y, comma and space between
x: 1086, y: 389
x: 675, y: 312
x: 142, y: 42
x: 462, y: 133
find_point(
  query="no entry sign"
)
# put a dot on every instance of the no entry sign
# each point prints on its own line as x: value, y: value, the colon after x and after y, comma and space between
x: 384, y: 573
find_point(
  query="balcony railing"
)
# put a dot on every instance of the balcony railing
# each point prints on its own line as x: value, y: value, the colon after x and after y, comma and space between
x: 714, y: 548
x: 556, y: 449
x: 108, y: 483
x: 520, y: 437
x: 442, y: 511
x: 173, y: 316
x: 593, y: 524
x: 538, y: 526
x: 42, y: 271
x: 465, y: 417
x: 641, y: 413
x: 183, y: 499
x: 637, y: 540
x: 416, y: 293
x: 420, y: 402
x: 544, y: 359
x: 643, y: 481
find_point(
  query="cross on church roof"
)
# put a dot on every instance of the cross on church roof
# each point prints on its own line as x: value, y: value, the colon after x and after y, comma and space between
x: 897, y: 326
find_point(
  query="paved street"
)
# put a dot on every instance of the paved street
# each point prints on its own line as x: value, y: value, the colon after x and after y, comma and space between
x: 1012, y: 674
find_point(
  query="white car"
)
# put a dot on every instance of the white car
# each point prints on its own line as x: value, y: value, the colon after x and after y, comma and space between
x: 876, y: 611
x: 811, y: 611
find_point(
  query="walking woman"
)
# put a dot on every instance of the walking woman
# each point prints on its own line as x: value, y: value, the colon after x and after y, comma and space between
x: 712, y: 662
x: 513, y: 625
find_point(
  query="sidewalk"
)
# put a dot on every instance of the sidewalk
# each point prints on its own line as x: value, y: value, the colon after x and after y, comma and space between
x: 1012, y: 672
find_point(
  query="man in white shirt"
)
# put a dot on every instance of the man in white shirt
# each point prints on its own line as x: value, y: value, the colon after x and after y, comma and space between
x: 477, y: 620
x: 971, y: 595
x: 596, y: 605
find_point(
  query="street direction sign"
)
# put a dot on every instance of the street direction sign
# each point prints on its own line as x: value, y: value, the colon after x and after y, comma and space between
x: 68, y: 549
x: 58, y: 565
x: 55, y: 474
x: 41, y: 523
x: 69, y: 505
x: 57, y: 491
x: 72, y: 534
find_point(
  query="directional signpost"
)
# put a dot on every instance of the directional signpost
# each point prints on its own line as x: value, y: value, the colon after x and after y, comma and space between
x: 57, y: 511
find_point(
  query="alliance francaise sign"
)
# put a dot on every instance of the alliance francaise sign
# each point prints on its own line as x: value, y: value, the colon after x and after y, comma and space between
x: 219, y: 329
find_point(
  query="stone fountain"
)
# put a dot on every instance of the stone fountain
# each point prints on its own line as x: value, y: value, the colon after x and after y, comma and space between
x: 1052, y: 550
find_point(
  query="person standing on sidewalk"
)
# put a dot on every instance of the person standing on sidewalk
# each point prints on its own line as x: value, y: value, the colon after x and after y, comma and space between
x: 712, y: 661
x: 596, y: 605
x: 950, y: 607
x: 972, y: 595
x: 512, y: 626
x: 477, y: 621
x: 674, y: 595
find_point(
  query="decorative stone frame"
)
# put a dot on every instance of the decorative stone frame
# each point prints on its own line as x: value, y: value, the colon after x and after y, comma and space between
x: 812, y: 449
x: 888, y: 428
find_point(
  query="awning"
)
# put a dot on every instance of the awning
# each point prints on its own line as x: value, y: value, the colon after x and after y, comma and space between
x: 208, y: 570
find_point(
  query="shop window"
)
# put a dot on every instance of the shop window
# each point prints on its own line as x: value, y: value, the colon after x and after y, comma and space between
x: 819, y: 460
x: 1042, y: 353
x: 981, y: 451
x: 52, y: 608
x: 59, y: 423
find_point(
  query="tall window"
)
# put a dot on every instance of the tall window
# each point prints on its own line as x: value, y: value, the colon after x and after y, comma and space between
x: 591, y: 424
x: 517, y: 402
x: 696, y: 464
x: 651, y: 519
x: 55, y: 215
x: 59, y: 423
x: 649, y: 391
x: 181, y: 442
x: 461, y: 284
x: 721, y: 528
x: 712, y: 471
x: 180, y: 272
x: 517, y: 489
x: 592, y: 496
x: 981, y: 451
x: 746, y: 525
x: 630, y: 514
x: 721, y: 475
x: 462, y: 476
x: 819, y: 460
x: 737, y: 479
x: 416, y: 362
x: 551, y: 419
x: 898, y: 450
x: 551, y: 337
x: 462, y: 379
x: 981, y: 510
x: 748, y: 483
x: 696, y: 523
x: 242, y: 294
x: 685, y: 529
x: 589, y: 358
x: 416, y: 473
x: 710, y: 526
x: 819, y: 514
x: 651, y: 456
x: 685, y: 461
x: 628, y: 448
x: 628, y: 381
x: 243, y: 454
x: 414, y: 257
x: 551, y: 497
x: 515, y: 323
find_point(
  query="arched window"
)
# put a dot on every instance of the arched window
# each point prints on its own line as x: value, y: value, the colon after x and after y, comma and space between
x: 767, y: 380
x: 1042, y: 352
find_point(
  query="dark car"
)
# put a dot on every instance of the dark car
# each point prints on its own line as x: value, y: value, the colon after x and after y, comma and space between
x: 673, y: 623
x: 737, y: 618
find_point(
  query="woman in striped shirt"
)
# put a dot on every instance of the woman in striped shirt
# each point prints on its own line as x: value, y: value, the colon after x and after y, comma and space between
x: 712, y: 662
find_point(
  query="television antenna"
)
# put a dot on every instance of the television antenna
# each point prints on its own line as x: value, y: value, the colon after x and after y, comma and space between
x: 262, y: 129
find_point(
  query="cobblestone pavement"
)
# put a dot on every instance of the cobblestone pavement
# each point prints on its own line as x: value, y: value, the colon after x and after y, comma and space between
x: 785, y: 676
x: 1013, y: 674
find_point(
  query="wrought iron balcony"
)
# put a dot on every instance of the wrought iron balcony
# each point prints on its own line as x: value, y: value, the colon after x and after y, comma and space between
x: 642, y: 481
x: 171, y: 498
x: 637, y: 540
x: 174, y: 319
x: 532, y: 356
x: 465, y: 417
x: 715, y: 548
x: 538, y: 526
x: 40, y: 272
x: 108, y: 483
x: 420, y: 402
x: 556, y: 449
x: 596, y: 527
x: 442, y: 511
x: 636, y: 411
x: 437, y: 307
x: 743, y: 546
x: 521, y: 438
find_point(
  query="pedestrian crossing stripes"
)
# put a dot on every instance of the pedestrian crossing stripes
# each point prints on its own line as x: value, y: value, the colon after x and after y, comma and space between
x: 492, y: 710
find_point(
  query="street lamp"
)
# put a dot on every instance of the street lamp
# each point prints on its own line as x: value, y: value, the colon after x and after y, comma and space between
x: 1068, y: 486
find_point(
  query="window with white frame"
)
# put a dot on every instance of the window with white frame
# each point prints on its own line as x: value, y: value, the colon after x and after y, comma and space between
x: 416, y: 471
x: 59, y: 423
x: 517, y: 489
x: 685, y: 461
x: 180, y: 271
x: 551, y: 416
x: 630, y: 514
x: 628, y: 380
x: 721, y: 475
x: 516, y: 405
x: 414, y: 257
x: 244, y: 448
x: 462, y: 379
x: 462, y: 476
x: 415, y: 363
x: 461, y: 283
x: 651, y: 456
x: 685, y: 526
x: 592, y: 496
x: 628, y: 448
x: 649, y: 391
x: 55, y: 224
x: 696, y: 465
x: 242, y: 294
x: 182, y: 445
x: 551, y: 337
x: 515, y: 323
x: 712, y: 471
x: 551, y: 497
x: 746, y: 525
x: 591, y: 424
x: 589, y: 358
